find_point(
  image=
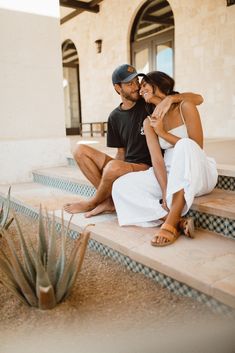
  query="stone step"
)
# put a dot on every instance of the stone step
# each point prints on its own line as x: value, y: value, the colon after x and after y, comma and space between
x: 202, y: 268
x: 226, y: 178
x: 214, y: 212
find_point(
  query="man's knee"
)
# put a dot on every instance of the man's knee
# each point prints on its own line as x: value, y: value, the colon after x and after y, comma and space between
x: 80, y: 152
x: 115, y: 168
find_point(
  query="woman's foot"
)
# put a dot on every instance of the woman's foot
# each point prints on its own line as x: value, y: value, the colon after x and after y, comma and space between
x: 166, y: 236
x: 186, y: 227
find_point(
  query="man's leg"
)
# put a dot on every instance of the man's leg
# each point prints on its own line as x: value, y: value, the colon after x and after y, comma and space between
x: 113, y: 170
x: 91, y: 162
x: 105, y: 206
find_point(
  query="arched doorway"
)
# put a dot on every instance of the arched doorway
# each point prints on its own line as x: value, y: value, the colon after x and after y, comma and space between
x: 152, y: 38
x: 71, y: 84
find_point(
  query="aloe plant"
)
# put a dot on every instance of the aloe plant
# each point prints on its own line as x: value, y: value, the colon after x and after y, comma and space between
x: 46, y: 275
x: 4, y: 213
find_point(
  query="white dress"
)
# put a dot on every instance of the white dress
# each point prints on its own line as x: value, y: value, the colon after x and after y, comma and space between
x: 137, y: 195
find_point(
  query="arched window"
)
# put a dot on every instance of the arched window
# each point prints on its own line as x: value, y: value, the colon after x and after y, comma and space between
x: 71, y: 86
x: 152, y: 38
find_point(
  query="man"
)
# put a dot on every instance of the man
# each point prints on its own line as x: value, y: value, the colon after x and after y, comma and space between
x: 125, y: 132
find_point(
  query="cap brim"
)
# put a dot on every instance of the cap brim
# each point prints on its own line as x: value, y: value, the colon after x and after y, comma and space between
x: 129, y: 78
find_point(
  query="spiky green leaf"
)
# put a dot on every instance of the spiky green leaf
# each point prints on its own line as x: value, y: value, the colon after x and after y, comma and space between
x: 6, y: 209
x: 51, y: 261
x: 21, y: 275
x: 73, y: 265
x: 42, y: 243
x: 61, y: 262
x: 28, y: 259
x: 76, y: 266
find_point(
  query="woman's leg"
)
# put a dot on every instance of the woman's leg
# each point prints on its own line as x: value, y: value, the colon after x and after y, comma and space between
x: 172, y: 219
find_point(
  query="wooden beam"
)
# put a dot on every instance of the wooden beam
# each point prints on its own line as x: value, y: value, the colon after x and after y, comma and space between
x: 74, y: 4
x: 69, y: 55
x: 70, y: 16
x: 157, y: 7
x: 72, y: 64
x: 158, y: 19
x: 78, y: 11
x: 69, y: 46
x: 149, y: 33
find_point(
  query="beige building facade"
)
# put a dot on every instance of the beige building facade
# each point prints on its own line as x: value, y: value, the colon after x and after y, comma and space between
x: 32, y: 127
x: 41, y: 99
x: 203, y: 55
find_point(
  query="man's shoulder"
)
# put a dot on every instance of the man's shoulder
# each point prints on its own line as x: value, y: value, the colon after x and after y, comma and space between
x: 115, y: 112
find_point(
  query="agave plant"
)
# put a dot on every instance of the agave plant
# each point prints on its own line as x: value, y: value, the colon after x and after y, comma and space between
x: 4, y: 213
x: 45, y: 276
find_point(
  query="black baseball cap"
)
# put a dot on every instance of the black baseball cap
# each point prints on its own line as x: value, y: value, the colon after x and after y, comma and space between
x: 123, y: 74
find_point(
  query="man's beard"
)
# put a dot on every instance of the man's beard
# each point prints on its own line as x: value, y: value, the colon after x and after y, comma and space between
x: 134, y: 97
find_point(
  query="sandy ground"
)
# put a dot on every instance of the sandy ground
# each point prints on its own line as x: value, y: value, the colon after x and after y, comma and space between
x: 107, y: 301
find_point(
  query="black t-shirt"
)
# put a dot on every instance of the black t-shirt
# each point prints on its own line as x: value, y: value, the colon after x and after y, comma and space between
x: 125, y: 130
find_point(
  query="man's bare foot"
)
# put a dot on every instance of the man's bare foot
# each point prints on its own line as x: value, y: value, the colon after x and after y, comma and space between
x: 78, y: 207
x: 105, y: 206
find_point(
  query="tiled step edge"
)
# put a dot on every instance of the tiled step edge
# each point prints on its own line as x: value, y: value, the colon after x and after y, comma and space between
x: 80, y: 188
x: 171, y: 284
x: 226, y: 179
x: 226, y: 182
x: 220, y: 225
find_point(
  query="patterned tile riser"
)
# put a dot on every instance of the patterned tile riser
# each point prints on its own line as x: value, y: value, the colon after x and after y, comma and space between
x: 219, y: 225
x: 165, y: 281
x: 226, y: 183
x: 80, y: 189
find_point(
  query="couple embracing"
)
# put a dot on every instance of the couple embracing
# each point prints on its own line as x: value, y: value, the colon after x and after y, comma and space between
x: 160, y: 165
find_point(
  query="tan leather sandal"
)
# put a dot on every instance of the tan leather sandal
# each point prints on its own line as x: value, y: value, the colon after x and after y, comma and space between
x: 186, y: 226
x: 170, y: 237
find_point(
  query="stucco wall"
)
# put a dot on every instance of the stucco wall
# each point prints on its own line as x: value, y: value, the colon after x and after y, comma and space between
x: 32, y: 127
x: 205, y: 60
x: 204, y: 56
x: 31, y: 79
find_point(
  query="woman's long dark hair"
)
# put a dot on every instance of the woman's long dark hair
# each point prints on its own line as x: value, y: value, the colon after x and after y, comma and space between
x: 161, y: 80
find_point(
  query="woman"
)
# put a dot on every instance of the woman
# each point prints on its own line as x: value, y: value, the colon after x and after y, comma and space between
x: 166, y: 191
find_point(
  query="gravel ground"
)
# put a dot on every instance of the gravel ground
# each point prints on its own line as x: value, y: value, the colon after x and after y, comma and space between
x: 106, y: 299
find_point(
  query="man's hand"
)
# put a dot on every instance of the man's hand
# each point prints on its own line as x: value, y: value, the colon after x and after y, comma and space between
x: 163, y: 107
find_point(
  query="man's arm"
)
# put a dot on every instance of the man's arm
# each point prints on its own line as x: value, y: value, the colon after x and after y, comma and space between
x: 163, y: 107
x: 120, y: 155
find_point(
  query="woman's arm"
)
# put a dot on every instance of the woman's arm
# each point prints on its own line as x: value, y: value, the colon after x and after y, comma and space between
x: 156, y: 158
x: 192, y: 121
x: 163, y: 107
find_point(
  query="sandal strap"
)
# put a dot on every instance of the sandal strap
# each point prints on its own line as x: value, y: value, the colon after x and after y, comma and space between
x: 170, y: 229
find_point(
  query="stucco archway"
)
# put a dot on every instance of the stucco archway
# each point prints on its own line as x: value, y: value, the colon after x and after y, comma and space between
x: 71, y: 84
x: 152, y: 37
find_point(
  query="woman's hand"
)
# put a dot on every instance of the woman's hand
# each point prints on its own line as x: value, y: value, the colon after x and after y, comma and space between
x: 157, y: 125
x: 164, y: 205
